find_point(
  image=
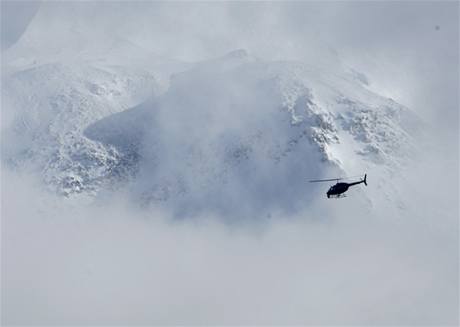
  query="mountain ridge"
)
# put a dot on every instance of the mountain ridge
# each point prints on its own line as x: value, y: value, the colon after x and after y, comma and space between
x: 190, y: 133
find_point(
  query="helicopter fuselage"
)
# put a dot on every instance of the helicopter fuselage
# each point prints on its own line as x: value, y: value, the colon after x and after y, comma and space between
x: 337, y: 189
x: 340, y: 188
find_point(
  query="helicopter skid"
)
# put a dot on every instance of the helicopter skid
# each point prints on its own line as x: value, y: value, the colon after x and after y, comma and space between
x: 339, y: 196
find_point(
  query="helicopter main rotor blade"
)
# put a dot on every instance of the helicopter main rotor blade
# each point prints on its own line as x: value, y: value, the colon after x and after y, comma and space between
x: 324, y: 180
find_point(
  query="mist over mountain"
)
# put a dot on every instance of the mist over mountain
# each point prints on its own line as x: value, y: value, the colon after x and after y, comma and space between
x: 265, y: 128
x: 156, y: 158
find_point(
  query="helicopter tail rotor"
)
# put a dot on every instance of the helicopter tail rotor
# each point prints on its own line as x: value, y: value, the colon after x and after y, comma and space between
x: 365, y: 181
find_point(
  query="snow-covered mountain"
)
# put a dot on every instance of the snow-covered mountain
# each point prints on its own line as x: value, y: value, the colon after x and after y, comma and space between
x: 237, y: 126
x: 51, y: 93
x: 52, y: 104
x: 91, y: 116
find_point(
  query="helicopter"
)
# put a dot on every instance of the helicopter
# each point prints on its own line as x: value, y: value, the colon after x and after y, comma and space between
x: 337, y: 190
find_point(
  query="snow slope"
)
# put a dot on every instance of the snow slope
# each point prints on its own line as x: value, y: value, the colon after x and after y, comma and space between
x: 102, y: 113
x: 239, y: 127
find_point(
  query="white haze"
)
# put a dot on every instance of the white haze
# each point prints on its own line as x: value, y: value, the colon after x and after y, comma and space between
x: 334, y: 262
x: 111, y: 263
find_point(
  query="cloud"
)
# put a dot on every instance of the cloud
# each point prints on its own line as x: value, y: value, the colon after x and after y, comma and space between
x: 114, y: 263
x: 15, y: 15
